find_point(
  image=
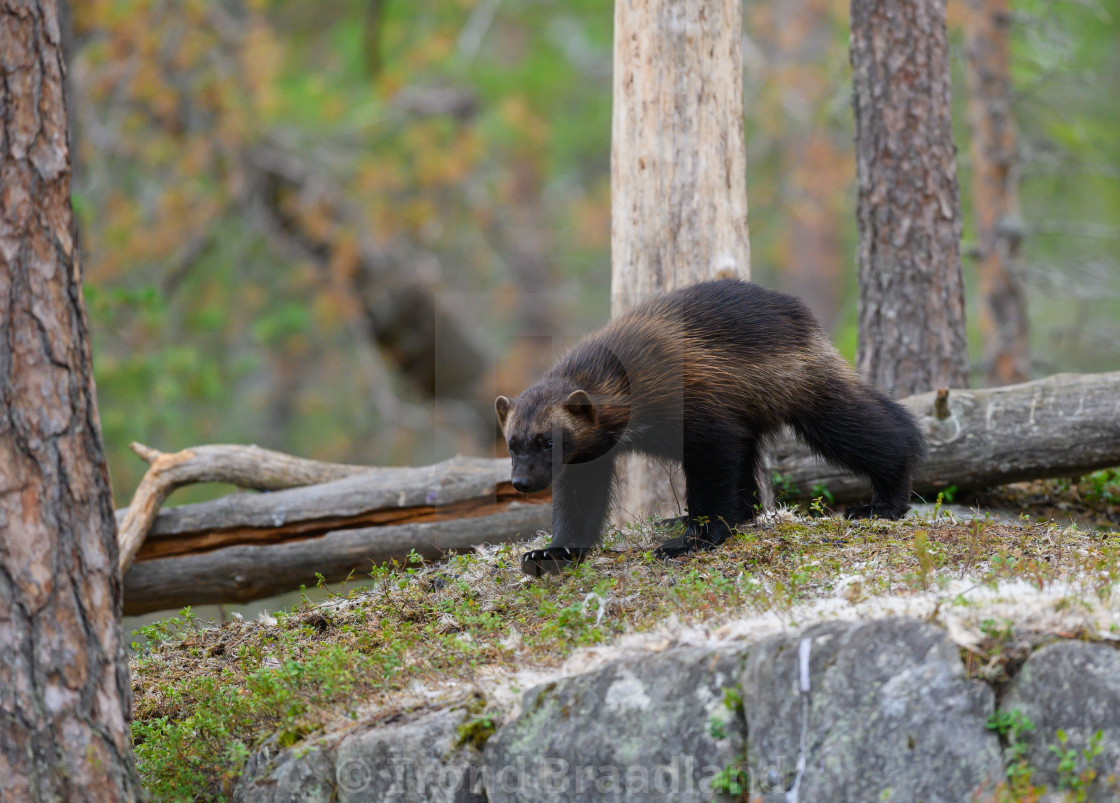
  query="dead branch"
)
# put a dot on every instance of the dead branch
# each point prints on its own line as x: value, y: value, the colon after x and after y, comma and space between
x: 244, y: 466
x: 246, y: 546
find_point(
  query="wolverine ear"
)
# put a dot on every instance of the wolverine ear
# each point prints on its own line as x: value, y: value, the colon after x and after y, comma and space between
x: 502, y: 407
x: 579, y: 404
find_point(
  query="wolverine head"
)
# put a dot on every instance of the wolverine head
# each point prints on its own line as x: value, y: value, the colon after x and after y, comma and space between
x: 544, y: 428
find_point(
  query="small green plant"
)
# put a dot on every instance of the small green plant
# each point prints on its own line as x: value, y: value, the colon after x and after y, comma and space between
x: 1011, y: 725
x: 822, y: 492
x: 1102, y: 486
x: 574, y: 622
x: 717, y: 728
x: 1071, y: 774
x: 731, y: 781
x: 997, y: 631
x: 163, y: 630
x: 784, y: 487
x: 924, y: 555
x: 733, y: 699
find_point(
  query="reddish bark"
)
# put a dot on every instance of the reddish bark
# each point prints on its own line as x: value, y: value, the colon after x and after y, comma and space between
x: 64, y: 690
x: 911, y: 312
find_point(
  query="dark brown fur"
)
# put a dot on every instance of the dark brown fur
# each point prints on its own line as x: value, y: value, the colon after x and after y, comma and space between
x: 700, y: 375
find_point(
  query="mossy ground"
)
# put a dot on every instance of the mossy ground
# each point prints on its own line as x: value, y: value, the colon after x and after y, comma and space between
x: 206, y: 695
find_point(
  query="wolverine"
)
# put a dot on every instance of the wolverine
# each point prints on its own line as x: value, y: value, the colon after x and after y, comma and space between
x: 702, y: 376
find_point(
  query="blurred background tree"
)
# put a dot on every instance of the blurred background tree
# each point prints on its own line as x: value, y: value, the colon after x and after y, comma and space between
x: 268, y: 191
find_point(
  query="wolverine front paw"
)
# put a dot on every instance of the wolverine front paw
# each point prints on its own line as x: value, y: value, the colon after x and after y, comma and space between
x: 675, y: 547
x: 551, y: 560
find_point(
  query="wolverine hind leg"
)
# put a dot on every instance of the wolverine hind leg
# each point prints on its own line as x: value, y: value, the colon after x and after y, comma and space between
x: 711, y: 473
x: 863, y: 430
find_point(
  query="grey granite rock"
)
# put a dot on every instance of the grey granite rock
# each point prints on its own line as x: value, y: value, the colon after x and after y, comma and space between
x: 654, y: 728
x: 410, y: 758
x: 303, y: 773
x: 841, y: 711
x: 890, y: 716
x: 1071, y: 686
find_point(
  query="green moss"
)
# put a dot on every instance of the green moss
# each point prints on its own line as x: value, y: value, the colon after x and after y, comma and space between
x: 476, y: 731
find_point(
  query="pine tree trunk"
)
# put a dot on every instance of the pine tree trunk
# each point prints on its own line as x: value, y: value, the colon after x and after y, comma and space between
x: 64, y: 688
x: 678, y: 170
x: 995, y: 196
x: 911, y: 310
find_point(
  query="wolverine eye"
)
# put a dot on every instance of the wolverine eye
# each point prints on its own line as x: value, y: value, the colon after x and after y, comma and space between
x: 548, y: 443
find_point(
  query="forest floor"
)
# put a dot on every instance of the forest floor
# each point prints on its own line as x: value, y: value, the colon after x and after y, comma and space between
x: 205, y: 695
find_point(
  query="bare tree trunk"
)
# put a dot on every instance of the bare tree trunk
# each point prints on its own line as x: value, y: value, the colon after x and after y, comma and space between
x: 64, y: 689
x: 995, y: 192
x: 911, y: 311
x: 678, y: 167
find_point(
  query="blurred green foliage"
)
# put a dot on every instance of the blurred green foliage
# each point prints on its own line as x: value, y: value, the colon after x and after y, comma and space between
x: 209, y: 326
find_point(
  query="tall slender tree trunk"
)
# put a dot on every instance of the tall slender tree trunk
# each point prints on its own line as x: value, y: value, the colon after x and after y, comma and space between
x: 64, y: 689
x: 995, y: 192
x: 911, y: 310
x: 678, y: 169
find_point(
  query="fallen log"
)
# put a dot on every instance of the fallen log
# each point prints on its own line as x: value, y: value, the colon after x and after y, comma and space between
x: 246, y: 546
x: 244, y: 466
x: 1064, y: 425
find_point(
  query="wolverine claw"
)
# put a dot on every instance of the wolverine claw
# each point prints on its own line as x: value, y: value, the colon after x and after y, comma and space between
x: 551, y: 560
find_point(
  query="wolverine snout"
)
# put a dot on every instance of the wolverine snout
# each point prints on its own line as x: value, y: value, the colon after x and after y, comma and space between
x: 530, y: 485
x: 525, y: 485
x: 530, y: 476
